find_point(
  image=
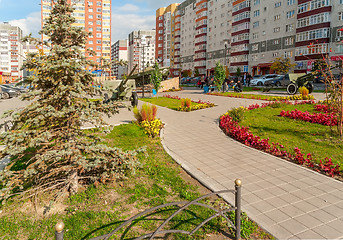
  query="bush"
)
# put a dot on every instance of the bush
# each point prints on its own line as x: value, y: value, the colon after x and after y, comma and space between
x: 303, y: 91
x: 146, y: 118
x: 237, y: 114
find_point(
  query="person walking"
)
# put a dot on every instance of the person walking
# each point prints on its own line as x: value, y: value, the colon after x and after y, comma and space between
x: 249, y: 79
x: 244, y: 79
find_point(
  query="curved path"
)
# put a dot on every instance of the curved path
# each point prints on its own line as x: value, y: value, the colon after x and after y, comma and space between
x: 289, y: 201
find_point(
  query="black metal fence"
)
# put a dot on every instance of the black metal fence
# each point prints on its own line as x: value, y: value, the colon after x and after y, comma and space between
x: 184, y: 205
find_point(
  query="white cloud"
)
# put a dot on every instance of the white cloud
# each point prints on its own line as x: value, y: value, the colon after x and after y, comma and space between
x: 30, y: 24
x: 123, y: 24
x: 155, y: 4
x: 126, y: 8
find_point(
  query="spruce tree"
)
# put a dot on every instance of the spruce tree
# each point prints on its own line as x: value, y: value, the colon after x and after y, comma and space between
x: 49, y: 149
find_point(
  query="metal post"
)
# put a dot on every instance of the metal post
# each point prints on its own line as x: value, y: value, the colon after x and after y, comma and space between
x: 59, y: 231
x: 143, y: 72
x: 238, y: 184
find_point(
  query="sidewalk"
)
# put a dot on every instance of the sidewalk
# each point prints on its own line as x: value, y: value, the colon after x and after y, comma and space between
x: 289, y: 201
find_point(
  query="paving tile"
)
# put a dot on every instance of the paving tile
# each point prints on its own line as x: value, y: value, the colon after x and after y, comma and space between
x: 318, y: 202
x: 277, y: 191
x: 277, y: 215
x: 290, y: 198
x: 323, y: 216
x: 328, y: 232
x: 308, y: 221
x: 302, y: 194
x: 279, y: 231
x: 293, y: 226
x: 264, y: 194
x: 263, y: 206
x: 292, y: 211
x: 309, y: 234
x: 277, y: 202
x: 263, y: 220
x: 251, y: 198
x: 334, y: 211
x: 289, y: 187
x: 305, y: 206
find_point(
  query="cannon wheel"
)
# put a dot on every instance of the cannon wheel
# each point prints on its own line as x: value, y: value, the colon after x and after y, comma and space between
x: 309, y: 86
x: 134, y: 99
x: 292, y: 89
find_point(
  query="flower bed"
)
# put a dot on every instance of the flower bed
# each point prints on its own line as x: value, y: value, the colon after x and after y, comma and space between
x: 187, y: 106
x: 324, y: 119
x: 263, y: 97
x: 245, y: 136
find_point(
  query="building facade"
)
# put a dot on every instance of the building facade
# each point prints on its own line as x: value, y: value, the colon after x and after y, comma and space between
x: 251, y: 34
x: 11, y: 52
x: 119, y: 53
x: 219, y: 34
x: 168, y: 37
x: 94, y: 16
x: 141, y: 50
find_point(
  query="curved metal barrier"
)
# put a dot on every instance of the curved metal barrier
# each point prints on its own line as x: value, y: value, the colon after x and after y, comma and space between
x: 184, y: 205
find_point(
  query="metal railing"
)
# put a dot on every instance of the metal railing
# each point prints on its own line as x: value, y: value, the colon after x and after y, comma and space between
x: 59, y: 228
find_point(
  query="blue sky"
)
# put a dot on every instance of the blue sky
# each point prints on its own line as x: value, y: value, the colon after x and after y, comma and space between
x: 127, y: 15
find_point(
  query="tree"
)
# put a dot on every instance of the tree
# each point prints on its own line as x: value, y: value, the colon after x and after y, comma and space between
x: 219, y: 75
x: 196, y: 73
x: 156, y: 77
x: 282, y: 65
x: 49, y: 148
x: 238, y: 72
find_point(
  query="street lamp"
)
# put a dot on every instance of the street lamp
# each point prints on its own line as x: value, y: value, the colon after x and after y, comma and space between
x: 226, y: 45
x: 144, y: 43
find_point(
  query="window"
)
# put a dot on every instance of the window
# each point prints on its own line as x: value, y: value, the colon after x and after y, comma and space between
x: 255, y: 47
x: 256, y: 24
x: 290, y: 2
x: 255, y: 35
x: 257, y: 2
x: 289, y: 27
x: 277, y: 17
x: 277, y: 29
x: 290, y: 14
x: 245, y: 68
x: 276, y: 41
x: 340, y: 16
x: 278, y: 4
x: 90, y: 9
x: 289, y: 41
x: 256, y: 13
x: 275, y: 54
x: 90, y: 42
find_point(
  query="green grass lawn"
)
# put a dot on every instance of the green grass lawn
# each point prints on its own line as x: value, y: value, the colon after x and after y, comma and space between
x: 312, y: 138
x: 99, y: 210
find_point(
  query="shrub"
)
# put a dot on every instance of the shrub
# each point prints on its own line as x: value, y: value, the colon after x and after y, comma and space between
x: 188, y: 102
x: 147, y: 113
x: 237, y: 114
x: 146, y: 118
x: 303, y: 91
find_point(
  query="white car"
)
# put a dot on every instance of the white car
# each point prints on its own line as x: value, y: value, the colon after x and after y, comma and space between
x: 260, y: 80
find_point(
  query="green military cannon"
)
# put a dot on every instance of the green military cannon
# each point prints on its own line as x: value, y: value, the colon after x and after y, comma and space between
x: 298, y: 80
x: 122, y: 90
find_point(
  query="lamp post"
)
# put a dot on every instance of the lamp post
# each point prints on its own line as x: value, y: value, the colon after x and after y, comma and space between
x: 144, y: 44
x: 226, y: 45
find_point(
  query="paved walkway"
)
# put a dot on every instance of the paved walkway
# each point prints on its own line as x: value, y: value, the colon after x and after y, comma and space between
x: 289, y: 201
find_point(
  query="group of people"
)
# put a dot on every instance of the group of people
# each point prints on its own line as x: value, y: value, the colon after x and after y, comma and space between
x: 237, y: 83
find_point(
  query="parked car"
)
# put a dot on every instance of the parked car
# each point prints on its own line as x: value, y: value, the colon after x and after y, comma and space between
x: 17, y: 88
x: 281, y: 80
x: 8, y: 92
x: 261, y: 80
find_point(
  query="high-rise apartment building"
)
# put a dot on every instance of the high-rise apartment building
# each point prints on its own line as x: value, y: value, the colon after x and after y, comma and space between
x: 119, y: 53
x: 94, y: 16
x: 219, y: 27
x: 251, y: 34
x: 141, y: 51
x: 167, y: 35
x: 11, y: 51
x: 187, y: 36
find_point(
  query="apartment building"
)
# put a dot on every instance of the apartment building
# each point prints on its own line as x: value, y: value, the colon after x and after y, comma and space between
x: 219, y: 27
x: 11, y: 51
x: 250, y: 34
x: 167, y: 32
x: 119, y: 53
x: 94, y: 16
x: 141, y: 50
x: 29, y: 48
x: 187, y: 36
x: 272, y: 33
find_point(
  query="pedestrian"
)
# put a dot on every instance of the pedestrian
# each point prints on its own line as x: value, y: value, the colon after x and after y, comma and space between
x: 244, y: 79
x: 202, y: 82
x: 249, y: 79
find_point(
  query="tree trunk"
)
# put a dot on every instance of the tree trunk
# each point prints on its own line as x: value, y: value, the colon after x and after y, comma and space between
x: 74, y: 183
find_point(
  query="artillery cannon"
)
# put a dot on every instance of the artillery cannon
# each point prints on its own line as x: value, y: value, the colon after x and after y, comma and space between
x: 122, y: 90
x: 300, y: 80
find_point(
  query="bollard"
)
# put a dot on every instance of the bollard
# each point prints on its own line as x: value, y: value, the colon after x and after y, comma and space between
x: 59, y: 231
x: 238, y: 184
